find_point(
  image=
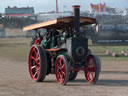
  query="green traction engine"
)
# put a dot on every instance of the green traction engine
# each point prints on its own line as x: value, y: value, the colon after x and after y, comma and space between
x: 60, y: 47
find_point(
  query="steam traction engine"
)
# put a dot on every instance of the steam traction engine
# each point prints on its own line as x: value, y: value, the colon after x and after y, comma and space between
x: 62, y: 50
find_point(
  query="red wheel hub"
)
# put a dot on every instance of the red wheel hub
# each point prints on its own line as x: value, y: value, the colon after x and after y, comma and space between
x: 34, y: 63
x: 60, y: 70
x: 90, y: 72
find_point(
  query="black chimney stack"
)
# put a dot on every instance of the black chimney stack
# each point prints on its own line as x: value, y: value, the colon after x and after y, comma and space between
x: 76, y: 11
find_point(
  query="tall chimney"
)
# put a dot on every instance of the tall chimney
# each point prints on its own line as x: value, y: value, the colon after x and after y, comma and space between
x: 76, y: 11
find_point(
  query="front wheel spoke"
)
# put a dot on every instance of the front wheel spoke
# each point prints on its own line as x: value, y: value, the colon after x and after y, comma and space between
x: 63, y: 73
x: 88, y: 75
x: 58, y: 75
x: 92, y: 75
x: 62, y: 67
x: 61, y: 77
x: 58, y: 65
x: 60, y: 62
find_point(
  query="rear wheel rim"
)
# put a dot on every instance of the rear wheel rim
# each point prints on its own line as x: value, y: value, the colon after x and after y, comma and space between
x: 60, y: 70
x: 90, y: 72
x: 34, y: 63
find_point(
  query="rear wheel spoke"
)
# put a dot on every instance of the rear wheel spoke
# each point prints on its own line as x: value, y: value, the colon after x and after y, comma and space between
x: 35, y: 74
x: 33, y: 58
x: 33, y: 67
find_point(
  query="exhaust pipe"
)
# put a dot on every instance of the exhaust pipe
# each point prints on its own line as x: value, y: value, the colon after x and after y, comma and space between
x: 76, y: 13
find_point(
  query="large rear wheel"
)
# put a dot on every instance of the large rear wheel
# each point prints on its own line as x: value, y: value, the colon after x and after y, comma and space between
x: 92, y: 69
x: 62, y: 69
x: 37, y: 63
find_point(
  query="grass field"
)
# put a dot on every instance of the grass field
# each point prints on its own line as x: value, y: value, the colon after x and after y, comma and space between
x: 18, y: 49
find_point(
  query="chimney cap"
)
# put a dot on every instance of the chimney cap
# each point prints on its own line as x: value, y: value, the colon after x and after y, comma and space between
x: 76, y: 6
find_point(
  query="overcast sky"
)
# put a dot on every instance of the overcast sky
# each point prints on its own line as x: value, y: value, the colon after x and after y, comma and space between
x: 64, y: 5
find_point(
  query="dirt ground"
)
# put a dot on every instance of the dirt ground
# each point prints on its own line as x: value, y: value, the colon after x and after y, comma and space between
x: 15, y: 80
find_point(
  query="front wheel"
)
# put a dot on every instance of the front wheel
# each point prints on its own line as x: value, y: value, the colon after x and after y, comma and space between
x: 62, y: 69
x: 92, y: 69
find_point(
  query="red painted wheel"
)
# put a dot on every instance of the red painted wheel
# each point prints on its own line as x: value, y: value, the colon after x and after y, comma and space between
x: 62, y: 69
x: 37, y: 63
x: 92, y: 69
